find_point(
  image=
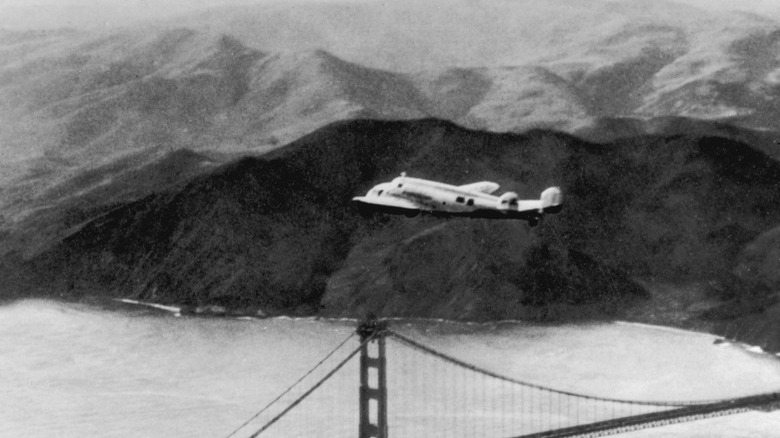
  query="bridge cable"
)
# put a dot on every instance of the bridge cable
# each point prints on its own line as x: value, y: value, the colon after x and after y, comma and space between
x: 447, y: 358
x: 292, y: 386
x: 315, y: 386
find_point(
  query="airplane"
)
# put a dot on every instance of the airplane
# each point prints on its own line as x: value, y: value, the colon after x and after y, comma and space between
x: 412, y: 196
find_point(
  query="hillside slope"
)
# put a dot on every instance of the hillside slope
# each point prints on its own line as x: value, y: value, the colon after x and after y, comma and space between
x: 606, y: 58
x: 278, y: 232
x: 119, y: 148
x: 241, y: 80
x: 247, y: 79
x: 75, y: 106
x: 73, y: 102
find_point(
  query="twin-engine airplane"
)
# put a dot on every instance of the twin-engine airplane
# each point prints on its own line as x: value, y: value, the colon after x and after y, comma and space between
x: 411, y: 196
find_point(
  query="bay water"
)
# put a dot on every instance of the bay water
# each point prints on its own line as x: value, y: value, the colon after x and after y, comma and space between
x: 77, y: 370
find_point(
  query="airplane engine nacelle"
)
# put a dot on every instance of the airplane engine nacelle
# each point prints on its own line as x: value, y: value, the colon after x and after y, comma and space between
x: 507, y: 201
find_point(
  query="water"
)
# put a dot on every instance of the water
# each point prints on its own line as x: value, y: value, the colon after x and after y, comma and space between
x: 69, y: 370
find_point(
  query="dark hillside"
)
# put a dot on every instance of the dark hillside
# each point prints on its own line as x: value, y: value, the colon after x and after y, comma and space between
x: 248, y: 233
x: 63, y: 208
x: 270, y: 231
x: 278, y: 232
x: 676, y: 207
x: 609, y: 129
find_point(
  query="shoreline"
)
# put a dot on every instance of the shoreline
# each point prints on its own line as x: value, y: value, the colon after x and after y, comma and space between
x: 119, y: 304
x: 406, y: 320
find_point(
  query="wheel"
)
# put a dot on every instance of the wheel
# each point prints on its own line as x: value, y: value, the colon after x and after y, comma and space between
x: 534, y: 221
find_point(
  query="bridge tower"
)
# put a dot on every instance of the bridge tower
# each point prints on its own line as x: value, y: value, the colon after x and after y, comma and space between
x: 373, y: 379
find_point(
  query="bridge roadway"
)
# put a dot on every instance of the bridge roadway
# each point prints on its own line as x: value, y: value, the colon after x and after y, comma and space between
x: 765, y: 402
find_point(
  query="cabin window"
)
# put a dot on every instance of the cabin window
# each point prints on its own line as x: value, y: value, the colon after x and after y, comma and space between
x: 460, y: 199
x: 471, y: 202
x: 400, y: 185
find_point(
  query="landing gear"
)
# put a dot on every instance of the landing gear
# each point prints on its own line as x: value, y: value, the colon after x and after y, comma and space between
x: 534, y: 221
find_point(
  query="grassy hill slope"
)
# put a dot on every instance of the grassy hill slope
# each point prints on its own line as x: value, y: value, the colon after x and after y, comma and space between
x: 278, y: 232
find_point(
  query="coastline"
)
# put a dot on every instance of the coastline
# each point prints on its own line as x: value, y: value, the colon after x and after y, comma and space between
x: 208, y: 311
x: 148, y: 308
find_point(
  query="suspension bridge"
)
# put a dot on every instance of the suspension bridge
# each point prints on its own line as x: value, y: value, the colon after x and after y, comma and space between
x: 417, y: 391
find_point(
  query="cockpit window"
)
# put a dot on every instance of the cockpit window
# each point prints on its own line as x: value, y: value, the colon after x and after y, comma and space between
x: 380, y: 193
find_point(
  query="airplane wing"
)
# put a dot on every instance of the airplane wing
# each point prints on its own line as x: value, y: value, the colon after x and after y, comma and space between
x: 482, y: 186
x: 387, y: 201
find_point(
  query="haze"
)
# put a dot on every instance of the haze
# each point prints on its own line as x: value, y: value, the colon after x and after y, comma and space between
x: 42, y: 14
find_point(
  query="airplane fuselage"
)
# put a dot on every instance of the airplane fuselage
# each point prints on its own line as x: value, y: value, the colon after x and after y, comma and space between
x: 410, y: 196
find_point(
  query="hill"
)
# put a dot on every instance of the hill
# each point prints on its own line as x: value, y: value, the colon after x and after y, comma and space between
x: 600, y: 58
x: 278, y: 233
x: 84, y: 106
x: 209, y: 159
x: 245, y: 80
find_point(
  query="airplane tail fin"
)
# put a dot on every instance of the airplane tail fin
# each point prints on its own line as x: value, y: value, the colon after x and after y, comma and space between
x: 552, y: 200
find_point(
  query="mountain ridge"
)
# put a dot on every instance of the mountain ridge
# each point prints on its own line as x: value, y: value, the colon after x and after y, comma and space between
x: 276, y: 233
x: 664, y: 65
x: 195, y: 161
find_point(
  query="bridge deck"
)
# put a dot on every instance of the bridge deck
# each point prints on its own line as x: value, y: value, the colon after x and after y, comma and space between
x: 654, y: 419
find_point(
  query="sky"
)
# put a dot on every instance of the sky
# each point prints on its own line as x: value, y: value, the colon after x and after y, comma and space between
x: 763, y: 7
x: 25, y: 14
